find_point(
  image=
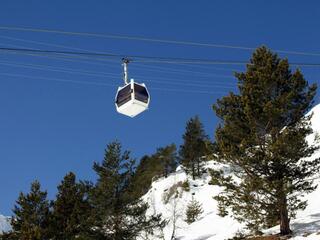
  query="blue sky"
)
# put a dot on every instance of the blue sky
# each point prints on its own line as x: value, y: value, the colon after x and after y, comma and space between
x: 48, y: 128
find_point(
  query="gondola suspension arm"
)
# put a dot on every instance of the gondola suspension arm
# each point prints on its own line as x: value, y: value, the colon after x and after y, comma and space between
x: 125, y: 63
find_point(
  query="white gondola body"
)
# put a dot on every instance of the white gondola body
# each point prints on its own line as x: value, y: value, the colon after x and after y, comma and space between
x: 132, y: 99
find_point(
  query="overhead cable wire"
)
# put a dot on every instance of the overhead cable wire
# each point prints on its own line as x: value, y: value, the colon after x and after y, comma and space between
x: 145, y: 65
x: 58, y: 79
x: 137, y: 58
x: 210, y: 67
x: 95, y: 74
x: 199, y: 77
x: 51, y: 45
x: 176, y: 71
x: 106, y: 84
x: 64, y: 54
x: 43, y: 43
x: 58, y: 52
x: 179, y: 71
x: 148, y: 39
x: 188, y: 66
x: 163, y: 81
x: 87, y: 50
x: 103, y: 74
x: 59, y: 69
x: 60, y: 57
x: 140, y: 58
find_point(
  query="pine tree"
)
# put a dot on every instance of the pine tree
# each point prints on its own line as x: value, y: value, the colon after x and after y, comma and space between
x: 71, y: 210
x: 31, y: 215
x: 118, y: 214
x: 161, y: 163
x: 194, y: 147
x: 147, y: 169
x: 263, y: 139
x: 194, y: 210
x: 168, y: 158
x: 9, y: 236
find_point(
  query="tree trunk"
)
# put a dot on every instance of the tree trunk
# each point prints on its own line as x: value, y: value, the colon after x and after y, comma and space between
x: 193, y: 171
x: 284, y: 218
x: 166, y: 170
x: 198, y: 166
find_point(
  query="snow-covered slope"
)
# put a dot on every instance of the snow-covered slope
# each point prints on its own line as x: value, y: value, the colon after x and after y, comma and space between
x: 4, y: 224
x: 307, y: 223
x: 210, y: 226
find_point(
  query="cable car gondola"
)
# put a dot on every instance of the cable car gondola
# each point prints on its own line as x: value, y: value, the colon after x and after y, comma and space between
x: 132, y: 98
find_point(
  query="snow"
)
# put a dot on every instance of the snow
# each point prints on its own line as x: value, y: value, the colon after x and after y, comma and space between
x: 307, y: 224
x: 210, y: 226
x: 4, y: 224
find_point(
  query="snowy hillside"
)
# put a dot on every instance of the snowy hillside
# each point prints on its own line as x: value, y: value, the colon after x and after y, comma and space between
x: 4, y: 224
x: 307, y: 224
x: 210, y: 226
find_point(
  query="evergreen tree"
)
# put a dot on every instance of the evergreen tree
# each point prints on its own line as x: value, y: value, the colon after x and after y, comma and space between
x: 161, y: 163
x: 194, y: 148
x: 147, y: 169
x: 194, y: 210
x: 9, y: 236
x: 71, y: 210
x: 263, y: 138
x: 168, y: 158
x: 118, y: 214
x: 31, y: 215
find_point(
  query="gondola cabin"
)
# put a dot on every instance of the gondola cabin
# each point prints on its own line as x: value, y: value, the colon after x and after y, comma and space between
x: 132, y: 99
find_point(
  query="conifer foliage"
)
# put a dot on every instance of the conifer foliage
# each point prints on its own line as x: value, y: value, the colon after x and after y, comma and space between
x: 263, y: 138
x: 31, y: 215
x: 195, y: 147
x: 70, y: 210
x: 108, y: 209
x: 148, y: 169
x: 161, y: 163
x: 167, y: 157
x: 194, y: 210
x: 118, y: 214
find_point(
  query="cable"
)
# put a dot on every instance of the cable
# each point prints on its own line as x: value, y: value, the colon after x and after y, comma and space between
x: 48, y: 44
x: 149, y: 58
x: 153, y: 79
x: 43, y: 43
x: 60, y: 57
x: 58, y: 80
x: 88, y: 54
x: 144, y: 58
x: 82, y: 49
x: 176, y: 71
x: 59, y: 69
x: 106, y: 84
x: 147, y: 39
x: 94, y: 74
x: 141, y: 78
x: 179, y: 71
x: 144, y: 66
x: 105, y: 75
x: 163, y: 80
